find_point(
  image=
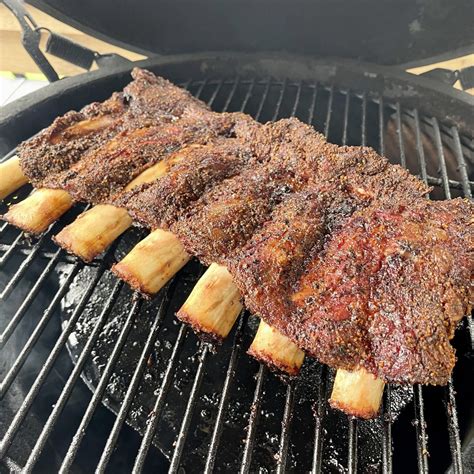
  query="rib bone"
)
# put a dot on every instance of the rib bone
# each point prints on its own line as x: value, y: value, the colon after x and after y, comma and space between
x: 39, y: 210
x: 275, y: 350
x: 152, y: 262
x: 11, y: 176
x: 94, y: 230
x: 214, y: 304
x: 357, y: 393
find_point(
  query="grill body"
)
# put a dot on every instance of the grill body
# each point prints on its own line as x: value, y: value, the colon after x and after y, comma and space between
x: 177, y: 403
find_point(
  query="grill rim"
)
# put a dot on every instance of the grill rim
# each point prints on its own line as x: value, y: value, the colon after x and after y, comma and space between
x: 38, y: 109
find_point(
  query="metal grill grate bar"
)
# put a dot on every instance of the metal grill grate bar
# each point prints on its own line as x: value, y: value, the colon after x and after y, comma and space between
x: 387, y: 430
x: 231, y: 94
x: 2, y: 229
x: 319, y: 415
x: 134, y: 382
x: 279, y: 102
x: 248, y: 95
x: 253, y: 420
x: 327, y: 123
x: 183, y: 432
x: 346, y: 118
x: 419, y: 147
x: 286, y: 428
x: 297, y: 99
x: 214, y: 94
x: 101, y: 386
x: 421, y: 435
x: 57, y: 348
x: 381, y: 126
x: 401, y: 147
x: 453, y: 428
x: 229, y: 378
x: 69, y: 386
x: 312, y: 105
x: 441, y: 158
x: 462, y: 165
x: 352, y: 455
x: 263, y: 99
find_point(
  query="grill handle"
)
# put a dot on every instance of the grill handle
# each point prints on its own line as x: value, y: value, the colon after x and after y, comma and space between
x: 447, y: 76
x: 56, y: 45
x: 30, y: 38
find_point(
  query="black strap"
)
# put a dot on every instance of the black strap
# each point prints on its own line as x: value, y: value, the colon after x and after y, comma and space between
x: 30, y: 38
x: 466, y: 77
x: 56, y: 45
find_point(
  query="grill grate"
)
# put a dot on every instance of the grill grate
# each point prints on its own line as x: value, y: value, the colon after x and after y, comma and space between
x: 34, y: 347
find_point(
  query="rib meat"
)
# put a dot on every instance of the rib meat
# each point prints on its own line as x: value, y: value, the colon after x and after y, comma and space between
x: 335, y: 247
x: 69, y: 137
x: 227, y: 216
x: 108, y: 169
x: 161, y: 203
x: 147, y: 100
x: 364, y: 282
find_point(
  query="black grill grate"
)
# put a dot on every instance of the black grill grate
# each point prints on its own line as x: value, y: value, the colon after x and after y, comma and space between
x: 46, y: 426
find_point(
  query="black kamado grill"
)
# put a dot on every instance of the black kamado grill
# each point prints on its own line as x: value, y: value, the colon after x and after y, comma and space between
x: 92, y: 377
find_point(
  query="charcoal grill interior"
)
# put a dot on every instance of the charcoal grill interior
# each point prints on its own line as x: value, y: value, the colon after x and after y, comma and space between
x: 93, y: 377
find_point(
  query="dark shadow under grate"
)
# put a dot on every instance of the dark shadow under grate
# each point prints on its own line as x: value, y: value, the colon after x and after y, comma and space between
x: 207, y: 410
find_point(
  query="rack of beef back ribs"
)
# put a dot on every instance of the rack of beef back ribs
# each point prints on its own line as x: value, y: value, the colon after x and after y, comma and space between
x: 105, y: 222
x: 326, y: 186
x: 356, y: 452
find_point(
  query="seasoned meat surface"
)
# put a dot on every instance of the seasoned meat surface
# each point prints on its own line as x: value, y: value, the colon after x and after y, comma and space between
x: 333, y: 246
x: 382, y: 287
x: 64, y: 142
x: 151, y: 97
x: 227, y: 216
x: 159, y: 204
x: 147, y: 100
x: 108, y: 169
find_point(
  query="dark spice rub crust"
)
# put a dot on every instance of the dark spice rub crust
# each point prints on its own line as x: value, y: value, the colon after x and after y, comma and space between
x: 107, y: 170
x: 63, y: 143
x: 147, y: 100
x: 382, y: 287
x: 159, y: 204
x: 227, y: 216
x: 150, y: 97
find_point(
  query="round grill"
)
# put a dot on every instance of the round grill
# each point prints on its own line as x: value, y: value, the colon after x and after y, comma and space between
x: 154, y: 396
